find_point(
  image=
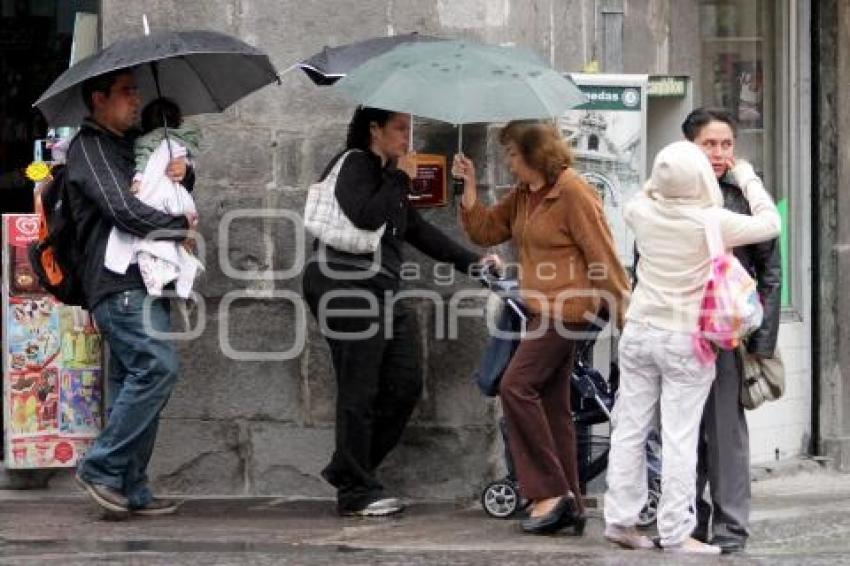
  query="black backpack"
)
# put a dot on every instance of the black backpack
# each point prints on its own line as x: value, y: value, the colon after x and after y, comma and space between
x: 56, y: 257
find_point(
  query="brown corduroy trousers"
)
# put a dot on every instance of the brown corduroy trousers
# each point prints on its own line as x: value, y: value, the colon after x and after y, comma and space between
x: 535, y: 393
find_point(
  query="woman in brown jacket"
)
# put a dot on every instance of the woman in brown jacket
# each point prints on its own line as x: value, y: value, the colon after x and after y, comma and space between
x: 569, y: 271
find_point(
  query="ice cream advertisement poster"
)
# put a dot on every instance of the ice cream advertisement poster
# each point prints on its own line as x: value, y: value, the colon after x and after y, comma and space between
x: 52, y: 358
x: 21, y: 230
x: 33, y: 399
x: 81, y: 401
x: 50, y: 451
x: 32, y: 330
x: 80, y: 341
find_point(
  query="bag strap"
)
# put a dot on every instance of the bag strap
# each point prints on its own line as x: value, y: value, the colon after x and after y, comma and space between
x: 714, y: 236
x: 334, y: 173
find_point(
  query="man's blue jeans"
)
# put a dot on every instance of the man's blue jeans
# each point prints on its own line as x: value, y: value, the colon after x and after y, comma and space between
x: 142, y: 374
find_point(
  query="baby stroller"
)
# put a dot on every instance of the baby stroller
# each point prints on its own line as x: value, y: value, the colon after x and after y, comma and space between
x: 592, y: 397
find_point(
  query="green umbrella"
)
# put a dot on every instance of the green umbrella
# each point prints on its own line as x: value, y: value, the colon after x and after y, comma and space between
x: 461, y: 82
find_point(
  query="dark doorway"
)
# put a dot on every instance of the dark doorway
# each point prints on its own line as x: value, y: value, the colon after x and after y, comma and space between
x: 35, y: 48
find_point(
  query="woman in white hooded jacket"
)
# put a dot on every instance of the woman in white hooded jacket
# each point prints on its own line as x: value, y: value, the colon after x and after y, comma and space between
x: 658, y: 364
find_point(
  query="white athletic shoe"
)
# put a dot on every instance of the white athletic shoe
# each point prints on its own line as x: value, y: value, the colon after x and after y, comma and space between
x: 379, y: 508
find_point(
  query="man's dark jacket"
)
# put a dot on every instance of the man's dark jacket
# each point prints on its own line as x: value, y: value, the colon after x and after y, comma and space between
x: 99, y: 170
x: 763, y: 262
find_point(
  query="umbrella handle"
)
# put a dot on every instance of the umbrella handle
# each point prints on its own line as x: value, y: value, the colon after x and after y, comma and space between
x: 457, y: 183
x: 457, y: 186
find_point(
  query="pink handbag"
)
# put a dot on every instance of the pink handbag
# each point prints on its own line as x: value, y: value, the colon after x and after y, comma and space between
x: 731, y: 308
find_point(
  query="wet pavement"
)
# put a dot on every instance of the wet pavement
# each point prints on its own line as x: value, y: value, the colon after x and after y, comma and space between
x: 801, y: 519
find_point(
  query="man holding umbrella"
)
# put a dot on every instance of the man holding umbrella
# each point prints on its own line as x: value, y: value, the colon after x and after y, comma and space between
x: 201, y: 71
x: 143, y: 368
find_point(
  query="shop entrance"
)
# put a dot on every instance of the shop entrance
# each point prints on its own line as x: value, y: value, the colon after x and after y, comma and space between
x: 36, y: 41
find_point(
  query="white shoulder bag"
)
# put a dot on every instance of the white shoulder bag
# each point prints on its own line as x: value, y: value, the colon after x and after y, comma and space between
x: 324, y: 218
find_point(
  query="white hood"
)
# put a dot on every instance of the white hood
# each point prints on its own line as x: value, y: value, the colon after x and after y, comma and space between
x: 682, y: 174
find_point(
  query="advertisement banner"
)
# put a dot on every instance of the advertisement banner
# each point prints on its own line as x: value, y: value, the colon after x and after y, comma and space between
x: 608, y: 137
x: 52, y: 359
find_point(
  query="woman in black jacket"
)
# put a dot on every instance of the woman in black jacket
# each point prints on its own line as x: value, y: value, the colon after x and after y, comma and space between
x: 374, y: 345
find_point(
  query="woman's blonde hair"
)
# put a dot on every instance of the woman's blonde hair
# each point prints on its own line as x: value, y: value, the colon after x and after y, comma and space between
x: 541, y: 146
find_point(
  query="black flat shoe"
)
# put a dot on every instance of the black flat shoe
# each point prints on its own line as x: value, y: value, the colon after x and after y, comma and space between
x: 562, y: 515
x: 573, y: 518
x: 578, y: 523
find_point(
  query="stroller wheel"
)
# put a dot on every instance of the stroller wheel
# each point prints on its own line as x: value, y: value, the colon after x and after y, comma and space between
x: 501, y: 499
x: 649, y: 513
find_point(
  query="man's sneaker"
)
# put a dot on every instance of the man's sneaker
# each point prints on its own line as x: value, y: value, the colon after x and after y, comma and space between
x: 157, y: 507
x: 693, y: 546
x: 379, y: 508
x: 729, y: 544
x: 107, y: 498
x: 627, y: 537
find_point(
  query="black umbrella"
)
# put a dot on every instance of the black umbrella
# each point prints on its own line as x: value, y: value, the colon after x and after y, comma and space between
x: 202, y: 71
x: 332, y: 63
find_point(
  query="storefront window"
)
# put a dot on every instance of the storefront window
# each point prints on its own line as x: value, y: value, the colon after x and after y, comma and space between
x: 739, y: 72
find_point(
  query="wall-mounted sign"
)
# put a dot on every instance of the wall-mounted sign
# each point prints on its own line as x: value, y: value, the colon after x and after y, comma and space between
x: 611, y: 97
x: 608, y: 138
x: 668, y: 86
x: 429, y: 186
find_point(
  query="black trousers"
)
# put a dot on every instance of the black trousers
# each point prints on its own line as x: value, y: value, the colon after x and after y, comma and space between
x: 378, y: 377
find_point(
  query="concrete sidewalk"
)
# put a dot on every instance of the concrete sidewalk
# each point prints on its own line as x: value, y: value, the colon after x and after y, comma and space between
x: 803, y: 518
